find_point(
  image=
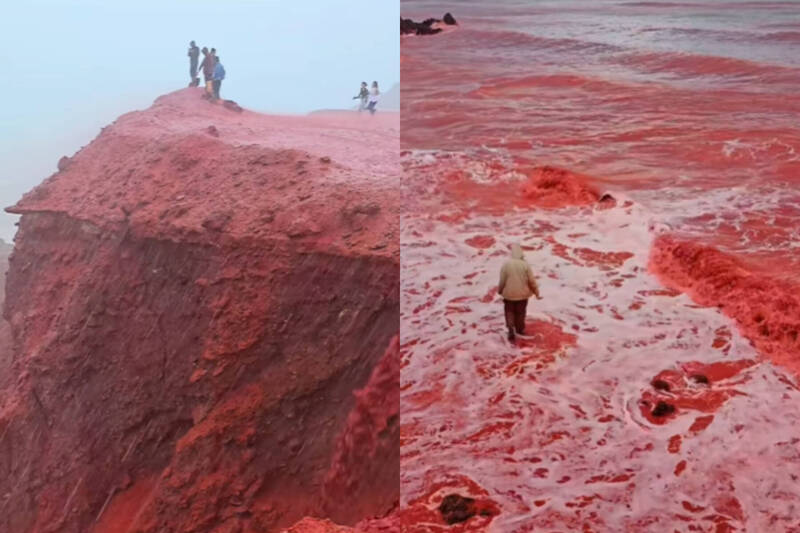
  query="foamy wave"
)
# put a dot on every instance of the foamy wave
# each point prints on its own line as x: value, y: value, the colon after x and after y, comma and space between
x: 483, y: 165
x: 524, y: 404
x: 774, y: 148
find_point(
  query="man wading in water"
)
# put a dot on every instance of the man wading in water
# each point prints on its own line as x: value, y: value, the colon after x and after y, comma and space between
x: 517, y: 284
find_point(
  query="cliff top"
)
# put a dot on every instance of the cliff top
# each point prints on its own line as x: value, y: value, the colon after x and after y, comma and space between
x: 188, y: 170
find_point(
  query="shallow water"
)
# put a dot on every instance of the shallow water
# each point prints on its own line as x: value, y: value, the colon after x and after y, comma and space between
x: 687, y: 115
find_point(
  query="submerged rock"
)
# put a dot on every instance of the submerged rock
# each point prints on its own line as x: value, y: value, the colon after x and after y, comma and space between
x: 409, y: 27
x: 660, y: 384
x: 456, y: 508
x: 427, y: 26
x: 663, y: 409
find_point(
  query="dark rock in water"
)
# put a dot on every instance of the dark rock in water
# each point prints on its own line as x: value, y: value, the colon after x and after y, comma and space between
x: 426, y: 30
x: 606, y: 201
x: 607, y: 198
x: 700, y: 378
x: 456, y: 508
x: 449, y: 19
x: 663, y: 409
x: 409, y: 27
x: 660, y: 384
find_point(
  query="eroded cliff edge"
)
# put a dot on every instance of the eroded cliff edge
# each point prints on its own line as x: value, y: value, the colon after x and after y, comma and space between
x: 194, y: 298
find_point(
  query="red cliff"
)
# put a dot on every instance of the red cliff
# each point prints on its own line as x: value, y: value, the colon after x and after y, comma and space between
x: 195, y: 299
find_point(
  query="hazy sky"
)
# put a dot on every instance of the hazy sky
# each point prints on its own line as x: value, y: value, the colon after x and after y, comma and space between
x: 73, y: 66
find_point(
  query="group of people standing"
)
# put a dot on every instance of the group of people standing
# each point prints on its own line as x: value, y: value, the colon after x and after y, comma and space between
x: 213, y: 71
x: 368, y: 97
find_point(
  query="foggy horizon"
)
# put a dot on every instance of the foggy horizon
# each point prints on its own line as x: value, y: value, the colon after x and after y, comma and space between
x: 90, y: 62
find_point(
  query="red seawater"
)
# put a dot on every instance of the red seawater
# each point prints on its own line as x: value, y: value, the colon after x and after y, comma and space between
x: 645, y: 155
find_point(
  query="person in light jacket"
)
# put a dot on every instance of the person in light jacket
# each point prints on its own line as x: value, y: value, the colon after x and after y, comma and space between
x: 516, y: 286
x: 374, y: 96
x: 219, y: 75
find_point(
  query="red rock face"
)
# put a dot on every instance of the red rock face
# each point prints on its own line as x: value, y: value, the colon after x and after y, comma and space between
x: 365, y: 461
x: 5, y: 330
x: 191, y: 315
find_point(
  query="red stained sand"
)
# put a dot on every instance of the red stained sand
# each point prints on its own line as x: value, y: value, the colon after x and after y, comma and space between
x: 481, y: 241
x: 766, y: 308
x: 700, y: 423
x: 124, y: 509
x: 544, y: 187
x: 555, y: 187
x: 608, y: 259
x: 312, y: 525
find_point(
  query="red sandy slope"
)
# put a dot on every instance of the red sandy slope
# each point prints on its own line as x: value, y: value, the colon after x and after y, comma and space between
x: 194, y: 298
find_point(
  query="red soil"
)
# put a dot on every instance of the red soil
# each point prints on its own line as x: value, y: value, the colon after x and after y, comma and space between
x: 365, y: 469
x: 544, y: 187
x: 191, y: 313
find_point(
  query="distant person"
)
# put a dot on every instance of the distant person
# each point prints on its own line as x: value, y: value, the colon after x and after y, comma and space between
x: 517, y: 284
x: 194, y: 53
x: 374, y: 96
x: 207, y: 66
x: 362, y: 95
x: 219, y: 75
